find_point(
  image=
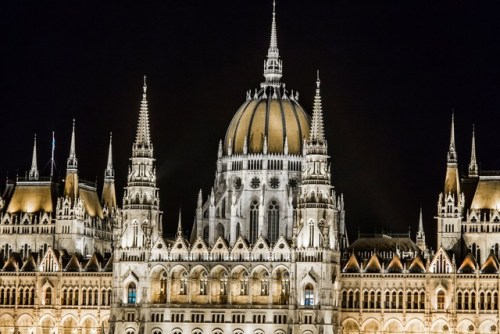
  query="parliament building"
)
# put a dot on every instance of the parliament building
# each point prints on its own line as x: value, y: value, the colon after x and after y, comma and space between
x: 268, y: 252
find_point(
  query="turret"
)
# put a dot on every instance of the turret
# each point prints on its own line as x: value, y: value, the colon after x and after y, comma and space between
x: 473, y: 169
x: 108, y: 191
x: 71, y: 182
x: 421, y: 234
x: 33, y: 174
x: 451, y: 202
x: 273, y: 66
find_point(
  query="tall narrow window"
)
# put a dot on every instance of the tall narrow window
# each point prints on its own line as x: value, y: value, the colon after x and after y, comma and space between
x: 136, y: 234
x: 223, y: 285
x: 48, y: 296
x: 203, y: 283
x: 264, y: 285
x: 273, y: 221
x: 244, y: 285
x: 440, y: 300
x: 311, y: 233
x: 254, y: 221
x: 183, y: 284
x: 309, y: 294
x: 131, y: 293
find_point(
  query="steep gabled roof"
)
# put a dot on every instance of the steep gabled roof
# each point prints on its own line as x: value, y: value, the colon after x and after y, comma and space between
x: 469, y: 265
x: 490, y: 266
x: 73, y: 264
x: 395, y: 266
x: 352, y: 265
x: 373, y: 265
x: 93, y: 265
x: 417, y: 266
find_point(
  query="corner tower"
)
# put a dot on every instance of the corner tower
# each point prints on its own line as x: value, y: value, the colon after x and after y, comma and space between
x: 141, y: 214
x: 451, y: 201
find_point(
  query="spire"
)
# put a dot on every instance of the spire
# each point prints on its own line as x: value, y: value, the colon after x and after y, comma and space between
x: 473, y: 169
x: 33, y: 174
x: 72, y: 163
x: 420, y: 233
x: 452, y: 152
x: 273, y: 66
x: 143, y: 139
x: 179, y: 225
x: 109, y: 173
x: 317, y: 129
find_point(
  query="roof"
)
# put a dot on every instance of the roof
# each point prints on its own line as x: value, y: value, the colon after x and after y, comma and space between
x: 395, y: 266
x: 417, y: 265
x: 383, y: 243
x: 373, y: 265
x: 468, y: 265
x: 32, y: 197
x: 91, y: 201
x: 487, y: 194
x: 264, y: 115
x: 352, y: 265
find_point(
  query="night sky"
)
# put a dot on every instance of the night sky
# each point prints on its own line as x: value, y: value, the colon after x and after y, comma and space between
x: 391, y: 73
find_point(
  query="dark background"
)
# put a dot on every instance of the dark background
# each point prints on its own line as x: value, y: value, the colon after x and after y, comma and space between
x: 391, y: 74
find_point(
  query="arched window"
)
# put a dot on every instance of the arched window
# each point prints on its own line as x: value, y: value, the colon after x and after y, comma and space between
x: 131, y: 293
x: 273, y: 221
x: 136, y: 233
x: 48, y: 296
x: 308, y: 294
x: 238, y: 230
x: 264, y: 285
x: 254, y: 221
x: 244, y: 285
x: 440, y: 300
x: 183, y: 284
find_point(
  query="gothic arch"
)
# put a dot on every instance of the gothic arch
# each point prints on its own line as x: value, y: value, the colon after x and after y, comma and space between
x: 440, y: 326
x: 371, y: 325
x: 488, y: 326
x: 466, y: 326
x: 415, y: 326
x: 393, y: 326
x: 349, y: 326
x: 24, y: 324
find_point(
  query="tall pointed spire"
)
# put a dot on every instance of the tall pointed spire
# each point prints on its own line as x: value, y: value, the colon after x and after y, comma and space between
x: 109, y: 173
x: 72, y: 163
x: 273, y: 66
x: 142, y: 144
x: 473, y: 169
x: 317, y: 128
x: 179, y: 225
x: 420, y: 233
x: 33, y: 174
x: 452, y: 152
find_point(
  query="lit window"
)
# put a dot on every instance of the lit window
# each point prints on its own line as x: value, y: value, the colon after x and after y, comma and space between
x: 132, y: 293
x: 309, y: 295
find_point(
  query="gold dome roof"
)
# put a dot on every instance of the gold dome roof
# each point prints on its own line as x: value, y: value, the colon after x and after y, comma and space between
x: 268, y: 115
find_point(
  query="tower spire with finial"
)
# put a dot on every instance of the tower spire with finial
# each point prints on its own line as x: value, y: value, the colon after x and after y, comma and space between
x: 420, y: 232
x: 473, y: 169
x: 452, y: 152
x: 142, y: 144
x: 317, y: 128
x: 179, y: 225
x: 33, y: 174
x: 72, y: 163
x: 273, y: 66
x: 109, y: 173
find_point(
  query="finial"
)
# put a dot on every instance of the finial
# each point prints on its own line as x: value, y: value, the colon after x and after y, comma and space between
x: 145, y: 86
x: 452, y: 153
x: 273, y: 67
x: 285, y: 148
x: 219, y: 151
x: 317, y: 79
x: 33, y: 174
x: 200, y: 199
x: 473, y: 168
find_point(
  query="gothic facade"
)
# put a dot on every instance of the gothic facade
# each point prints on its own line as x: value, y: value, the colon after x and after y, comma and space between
x: 268, y: 252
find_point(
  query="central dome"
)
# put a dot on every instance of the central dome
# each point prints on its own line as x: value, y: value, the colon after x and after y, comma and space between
x: 270, y: 114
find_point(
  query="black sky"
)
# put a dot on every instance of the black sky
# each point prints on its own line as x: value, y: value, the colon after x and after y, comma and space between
x: 391, y: 73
